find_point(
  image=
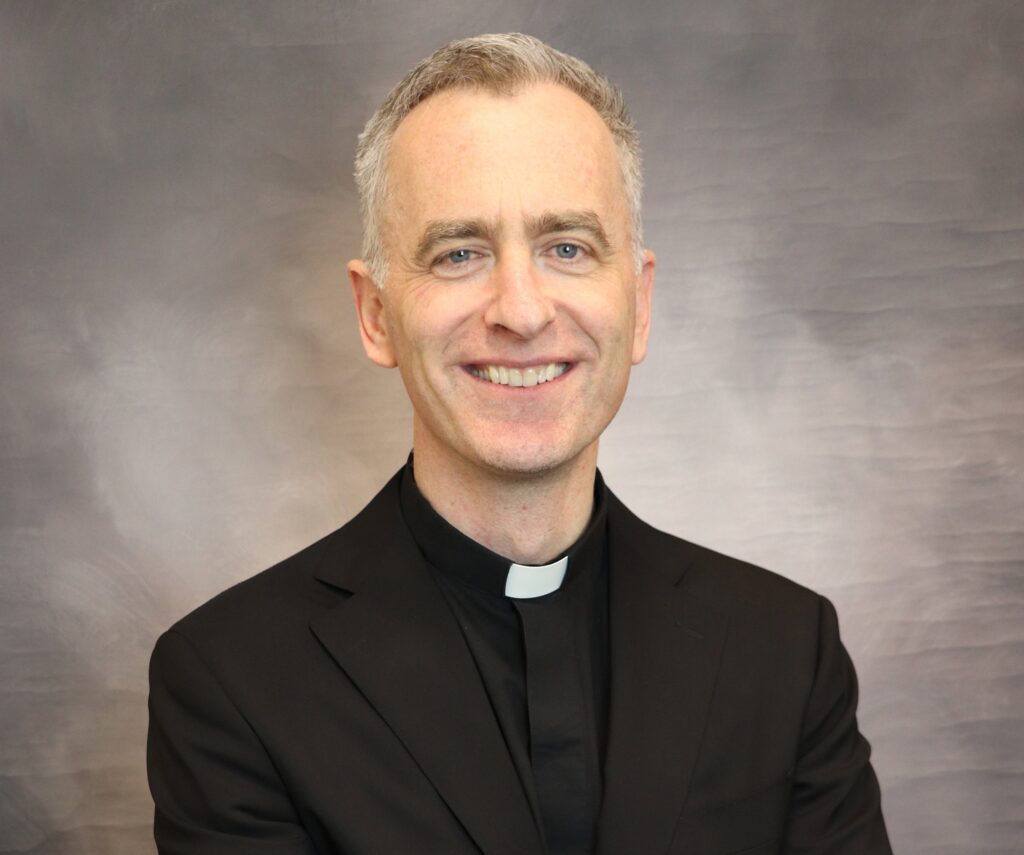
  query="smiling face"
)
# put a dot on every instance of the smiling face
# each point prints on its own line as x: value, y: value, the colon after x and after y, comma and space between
x: 513, y: 307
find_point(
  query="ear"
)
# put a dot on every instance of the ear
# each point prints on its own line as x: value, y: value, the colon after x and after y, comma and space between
x: 644, y: 289
x: 370, y: 311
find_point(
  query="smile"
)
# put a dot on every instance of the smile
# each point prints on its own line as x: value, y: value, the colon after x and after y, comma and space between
x: 530, y: 376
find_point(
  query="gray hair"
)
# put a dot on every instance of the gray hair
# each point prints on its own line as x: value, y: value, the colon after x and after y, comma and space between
x: 502, y: 64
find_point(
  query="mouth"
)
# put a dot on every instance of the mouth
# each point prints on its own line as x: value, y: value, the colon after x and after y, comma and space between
x: 525, y: 376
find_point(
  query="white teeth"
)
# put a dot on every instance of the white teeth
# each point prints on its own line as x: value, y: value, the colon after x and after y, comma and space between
x: 531, y: 376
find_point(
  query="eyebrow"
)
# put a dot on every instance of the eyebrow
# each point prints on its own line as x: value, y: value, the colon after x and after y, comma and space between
x: 569, y: 221
x: 442, y: 231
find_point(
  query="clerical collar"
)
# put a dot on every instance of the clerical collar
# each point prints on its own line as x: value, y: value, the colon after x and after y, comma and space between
x: 467, y: 562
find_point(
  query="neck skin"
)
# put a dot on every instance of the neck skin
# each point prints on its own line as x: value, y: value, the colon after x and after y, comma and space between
x: 529, y: 518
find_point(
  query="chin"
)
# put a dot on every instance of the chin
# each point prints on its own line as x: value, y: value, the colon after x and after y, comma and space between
x: 527, y: 459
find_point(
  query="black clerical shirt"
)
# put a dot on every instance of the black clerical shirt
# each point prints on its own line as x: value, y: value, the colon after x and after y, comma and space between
x: 543, y: 662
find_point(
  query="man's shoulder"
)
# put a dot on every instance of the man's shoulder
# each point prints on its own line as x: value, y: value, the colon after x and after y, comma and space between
x: 294, y: 590
x: 278, y: 590
x: 725, y: 582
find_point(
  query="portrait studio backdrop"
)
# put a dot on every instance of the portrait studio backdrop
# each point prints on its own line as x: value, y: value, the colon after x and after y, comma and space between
x: 835, y: 388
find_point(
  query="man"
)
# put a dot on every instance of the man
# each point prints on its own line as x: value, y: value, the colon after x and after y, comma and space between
x: 495, y: 655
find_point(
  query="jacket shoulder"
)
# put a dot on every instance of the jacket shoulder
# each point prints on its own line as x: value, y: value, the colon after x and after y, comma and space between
x: 285, y: 586
x: 725, y: 582
x: 292, y: 591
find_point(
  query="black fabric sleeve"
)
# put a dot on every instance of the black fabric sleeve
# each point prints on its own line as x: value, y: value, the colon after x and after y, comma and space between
x: 836, y: 805
x: 215, y: 789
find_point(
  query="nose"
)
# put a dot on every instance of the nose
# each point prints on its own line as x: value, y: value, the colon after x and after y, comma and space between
x: 519, y: 302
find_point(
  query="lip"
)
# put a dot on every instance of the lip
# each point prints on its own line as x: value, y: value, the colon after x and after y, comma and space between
x: 520, y: 363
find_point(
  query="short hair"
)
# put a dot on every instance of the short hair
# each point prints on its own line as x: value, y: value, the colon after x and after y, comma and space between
x: 502, y: 64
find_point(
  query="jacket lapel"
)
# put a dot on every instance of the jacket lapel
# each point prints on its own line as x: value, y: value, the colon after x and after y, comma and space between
x: 665, y: 653
x: 397, y: 640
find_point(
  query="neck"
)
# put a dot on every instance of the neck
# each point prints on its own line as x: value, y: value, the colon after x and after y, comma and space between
x: 529, y: 518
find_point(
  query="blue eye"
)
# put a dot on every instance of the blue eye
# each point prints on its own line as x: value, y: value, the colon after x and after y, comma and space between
x: 458, y: 256
x: 567, y: 251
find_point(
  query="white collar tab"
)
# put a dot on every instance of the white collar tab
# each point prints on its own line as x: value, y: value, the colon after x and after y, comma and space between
x: 525, y: 582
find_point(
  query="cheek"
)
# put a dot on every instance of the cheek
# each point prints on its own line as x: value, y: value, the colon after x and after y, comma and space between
x: 452, y: 316
x: 426, y: 328
x: 607, y: 318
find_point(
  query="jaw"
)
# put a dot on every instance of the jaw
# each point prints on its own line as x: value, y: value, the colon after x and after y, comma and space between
x: 491, y: 449
x: 466, y: 421
x: 508, y: 430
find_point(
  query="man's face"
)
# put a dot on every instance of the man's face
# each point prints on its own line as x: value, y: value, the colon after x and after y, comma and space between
x: 510, y: 259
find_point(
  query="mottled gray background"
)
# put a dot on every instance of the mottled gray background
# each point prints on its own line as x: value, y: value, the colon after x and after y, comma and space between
x: 835, y: 388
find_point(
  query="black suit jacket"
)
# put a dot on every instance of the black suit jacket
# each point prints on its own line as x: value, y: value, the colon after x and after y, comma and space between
x: 331, y: 705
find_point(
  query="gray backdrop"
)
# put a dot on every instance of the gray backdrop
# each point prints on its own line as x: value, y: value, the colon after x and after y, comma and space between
x: 835, y: 388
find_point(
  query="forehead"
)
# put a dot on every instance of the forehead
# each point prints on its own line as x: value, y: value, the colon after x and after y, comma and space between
x: 473, y: 153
